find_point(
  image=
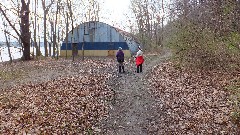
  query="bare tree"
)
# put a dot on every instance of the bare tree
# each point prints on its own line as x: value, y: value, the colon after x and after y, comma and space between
x: 38, y: 53
x: 55, y: 30
x: 163, y: 9
x: 7, y: 41
x: 25, y: 35
x: 45, y: 13
x: 67, y: 25
x: 71, y: 16
x: 25, y: 32
x: 148, y: 19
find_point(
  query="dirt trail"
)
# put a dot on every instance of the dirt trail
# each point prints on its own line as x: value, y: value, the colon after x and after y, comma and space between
x: 133, y: 103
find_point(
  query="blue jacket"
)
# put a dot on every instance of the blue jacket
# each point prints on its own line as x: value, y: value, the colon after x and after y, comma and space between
x: 120, y: 56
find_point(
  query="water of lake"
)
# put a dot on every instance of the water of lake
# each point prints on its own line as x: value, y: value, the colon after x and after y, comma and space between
x: 15, y: 52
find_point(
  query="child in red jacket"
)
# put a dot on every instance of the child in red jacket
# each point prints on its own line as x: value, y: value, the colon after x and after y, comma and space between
x: 139, y: 60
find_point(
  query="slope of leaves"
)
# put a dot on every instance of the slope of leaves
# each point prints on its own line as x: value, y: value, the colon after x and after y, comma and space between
x: 71, y: 102
x: 190, y: 102
x: 48, y: 69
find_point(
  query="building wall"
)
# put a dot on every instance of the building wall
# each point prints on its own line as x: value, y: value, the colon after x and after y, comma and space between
x: 95, y: 49
x: 99, y: 39
x: 96, y: 46
x: 93, y: 53
x: 132, y: 45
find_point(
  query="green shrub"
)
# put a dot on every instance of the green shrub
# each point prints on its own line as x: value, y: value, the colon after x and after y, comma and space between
x: 200, y: 47
x: 234, y: 89
x: 8, y: 75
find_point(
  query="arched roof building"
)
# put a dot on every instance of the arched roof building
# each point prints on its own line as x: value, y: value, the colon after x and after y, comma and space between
x: 98, y: 39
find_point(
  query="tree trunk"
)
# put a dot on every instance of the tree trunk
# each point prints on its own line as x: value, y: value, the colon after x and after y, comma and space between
x: 8, y: 46
x: 238, y: 16
x: 19, y: 22
x: 54, y: 41
x: 58, y: 43
x: 45, y: 10
x: 1, y: 55
x: 83, y: 47
x: 66, y: 40
x: 162, y: 23
x: 7, y: 41
x: 25, y: 33
x: 39, y: 42
x: 71, y: 16
x: 50, y: 48
x: 50, y: 36
x: 24, y: 26
x: 55, y: 32
x: 35, y: 30
x: 45, y: 32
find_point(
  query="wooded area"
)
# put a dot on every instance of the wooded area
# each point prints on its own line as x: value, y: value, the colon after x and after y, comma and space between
x: 201, y: 32
x: 206, y: 32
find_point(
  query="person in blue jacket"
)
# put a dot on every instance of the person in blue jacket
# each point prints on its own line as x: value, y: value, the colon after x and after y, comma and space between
x: 120, y: 59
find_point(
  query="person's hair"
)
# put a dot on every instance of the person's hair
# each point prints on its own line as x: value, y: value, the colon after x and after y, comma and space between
x: 139, y: 47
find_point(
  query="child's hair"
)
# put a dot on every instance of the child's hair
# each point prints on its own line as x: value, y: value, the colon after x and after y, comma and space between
x: 139, y: 47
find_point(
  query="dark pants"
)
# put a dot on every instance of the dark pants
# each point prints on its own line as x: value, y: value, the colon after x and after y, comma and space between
x: 139, y: 67
x: 120, y: 67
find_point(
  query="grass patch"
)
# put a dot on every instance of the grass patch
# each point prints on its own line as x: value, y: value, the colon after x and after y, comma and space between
x: 8, y: 75
x: 234, y: 88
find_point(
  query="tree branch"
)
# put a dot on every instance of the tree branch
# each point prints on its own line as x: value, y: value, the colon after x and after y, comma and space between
x: 10, y: 34
x: 4, y: 14
x: 46, y: 9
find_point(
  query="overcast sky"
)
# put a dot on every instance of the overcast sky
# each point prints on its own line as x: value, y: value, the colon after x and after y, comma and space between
x: 117, y: 13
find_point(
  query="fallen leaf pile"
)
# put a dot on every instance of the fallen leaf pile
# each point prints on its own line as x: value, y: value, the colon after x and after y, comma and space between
x: 48, y: 69
x: 70, y: 103
x: 190, y: 102
x: 66, y: 105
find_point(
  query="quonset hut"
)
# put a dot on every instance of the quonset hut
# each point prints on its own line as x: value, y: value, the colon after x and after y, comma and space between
x: 98, y: 39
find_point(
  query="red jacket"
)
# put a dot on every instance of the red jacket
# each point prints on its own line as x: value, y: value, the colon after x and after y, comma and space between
x: 139, y: 60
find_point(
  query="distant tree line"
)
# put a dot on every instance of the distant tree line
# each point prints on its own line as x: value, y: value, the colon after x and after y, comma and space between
x: 150, y: 16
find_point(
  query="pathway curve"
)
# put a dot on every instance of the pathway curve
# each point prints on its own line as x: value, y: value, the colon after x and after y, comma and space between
x: 133, y: 103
